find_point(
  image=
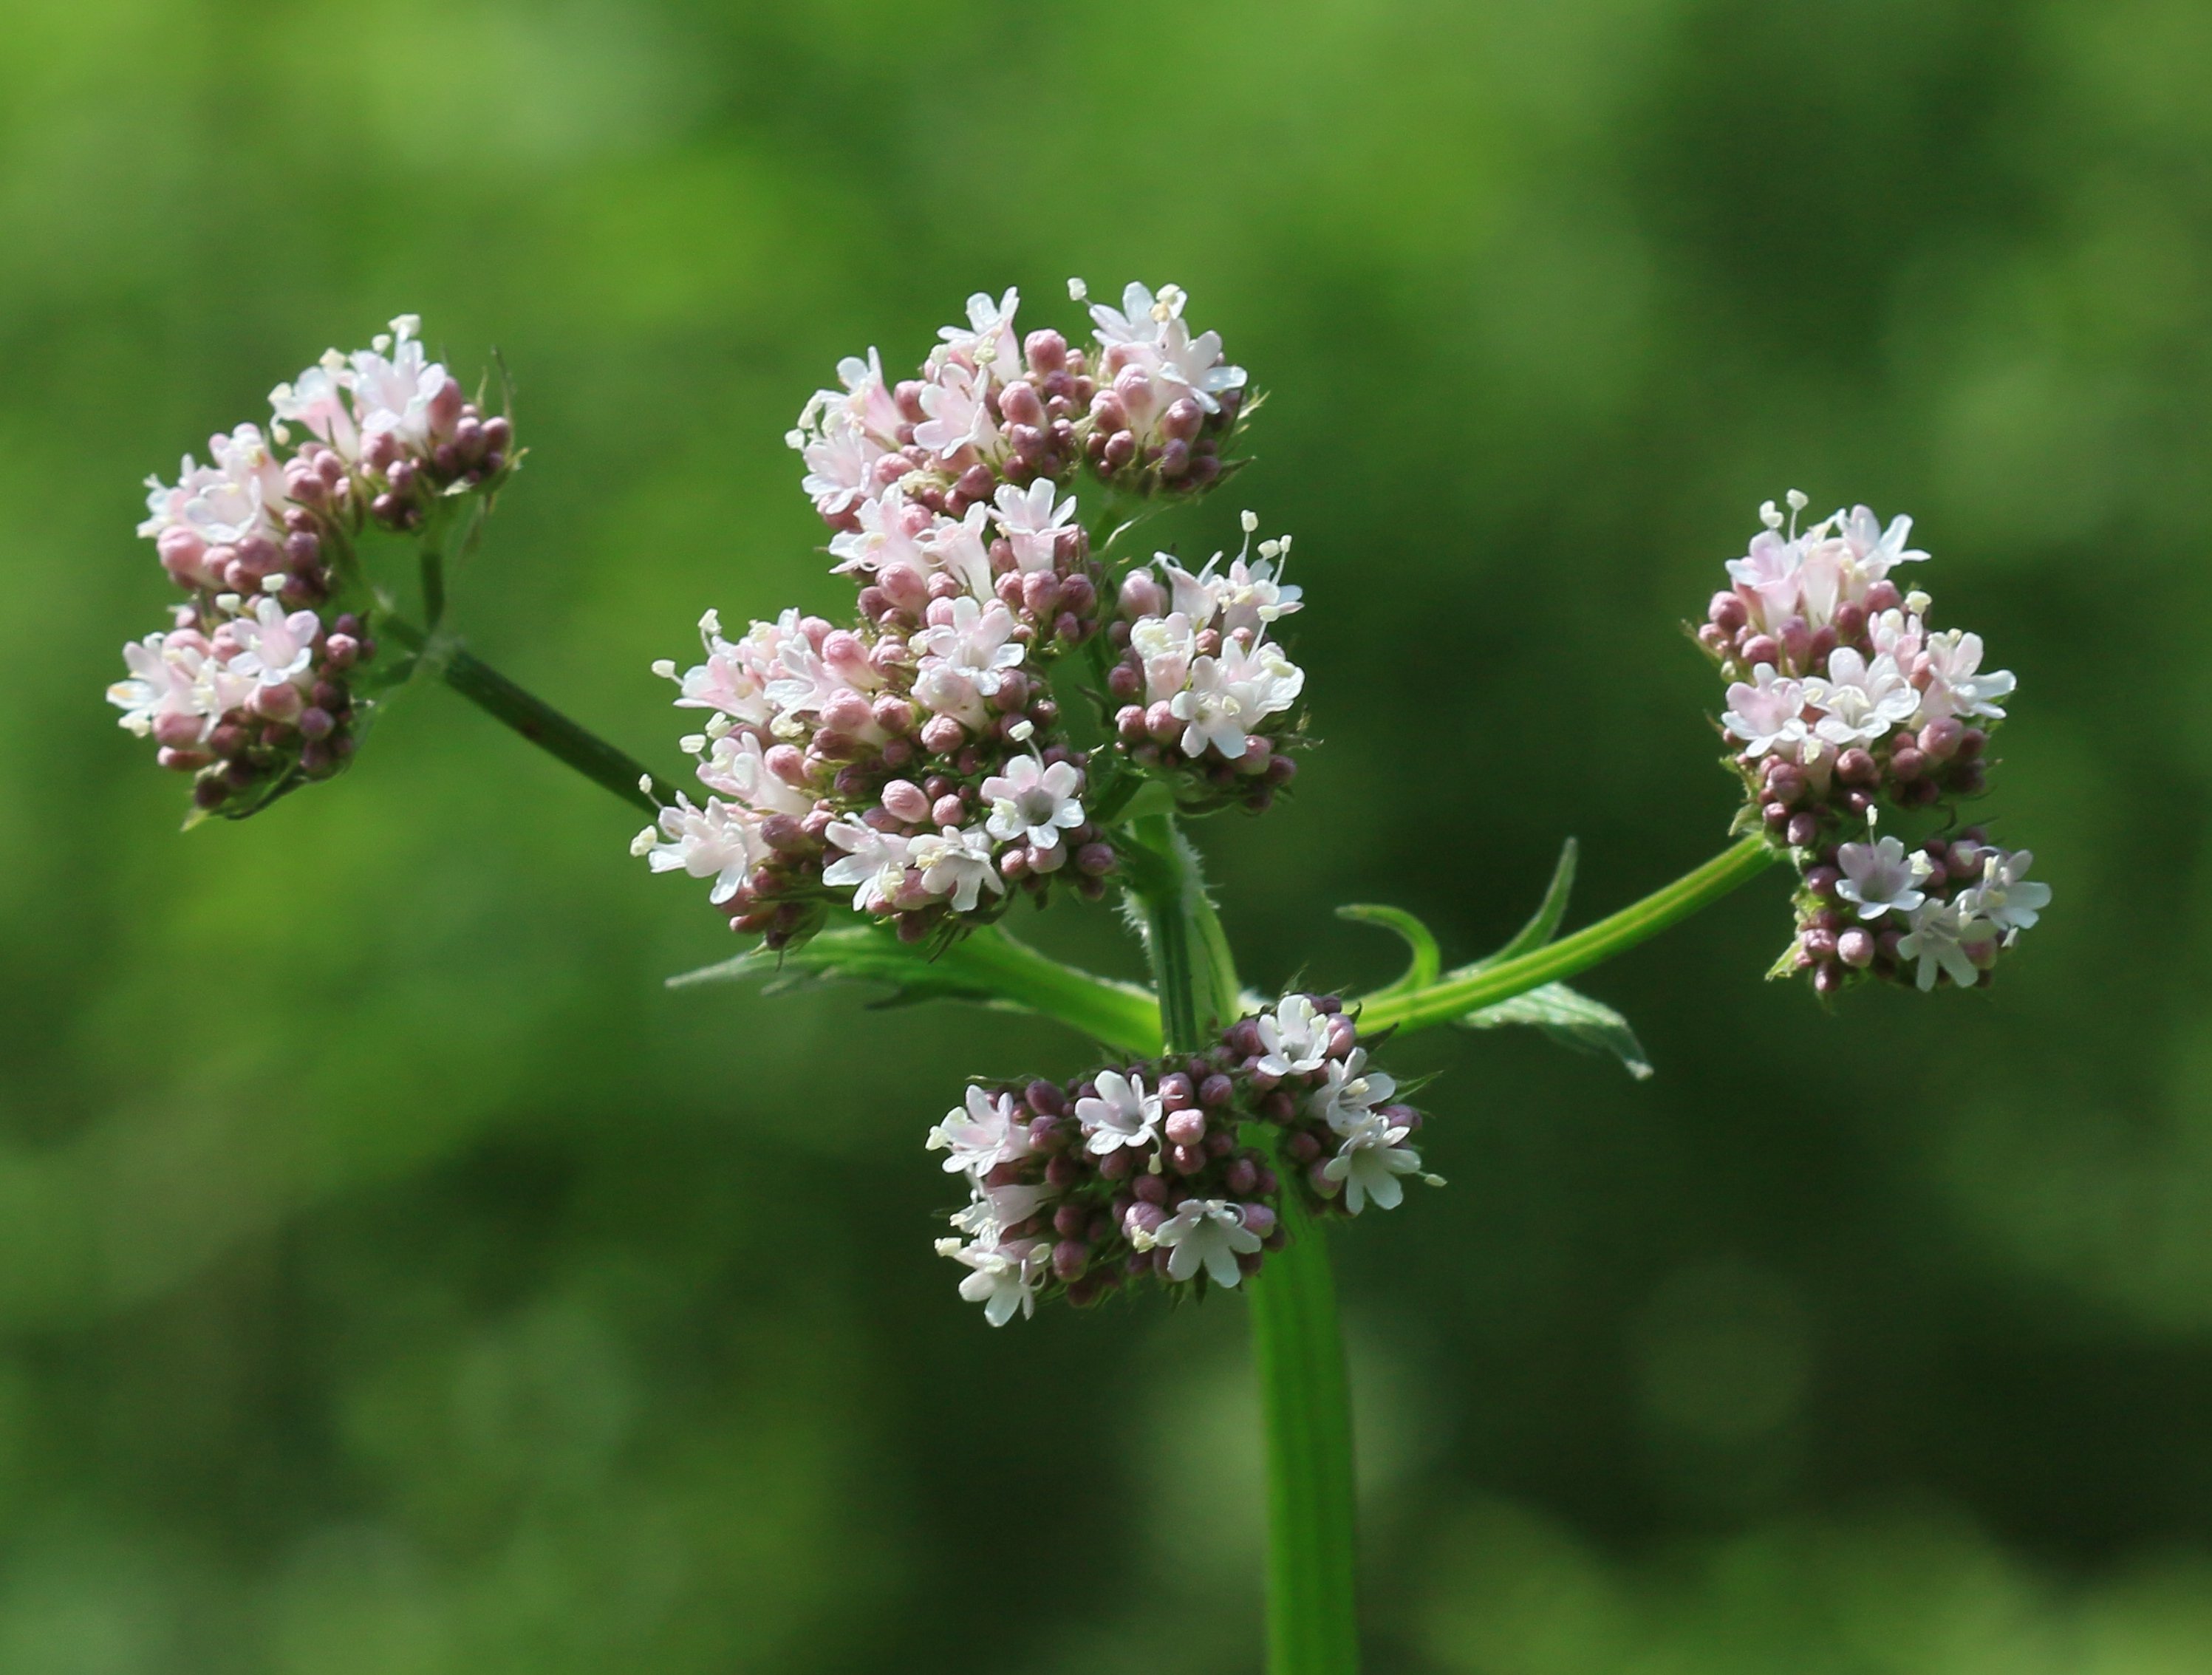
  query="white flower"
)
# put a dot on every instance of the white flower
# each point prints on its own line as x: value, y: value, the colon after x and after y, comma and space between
x: 1947, y: 935
x: 978, y: 644
x: 1229, y: 695
x: 840, y: 462
x: 874, y: 863
x: 1246, y: 596
x: 402, y: 392
x: 981, y: 1135
x: 958, y: 864
x: 273, y: 647
x: 1370, y: 1162
x: 1005, y: 1277
x: 890, y: 529
x: 318, y: 401
x: 1122, y: 1114
x: 240, y: 495
x: 958, y: 417
x: 1142, y: 317
x: 2006, y: 897
x: 1882, y: 876
x: 1872, y: 549
x: 1768, y: 572
x: 1031, y: 801
x: 1349, y: 1091
x: 989, y: 339
x: 1209, y: 1233
x: 1766, y: 713
x: 865, y: 402
x: 736, y: 676
x: 1296, y: 1037
x: 173, y: 677
x: 737, y: 766
x: 1956, y: 686
x: 995, y: 1208
x: 717, y: 841
x: 1167, y: 645
x: 956, y: 546
x: 1859, y: 701
x: 1195, y: 365
x: 1031, y: 521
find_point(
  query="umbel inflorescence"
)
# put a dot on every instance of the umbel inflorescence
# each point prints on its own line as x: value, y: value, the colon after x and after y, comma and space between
x: 913, y: 761
x: 1845, y: 707
x: 257, y: 683
x: 1171, y: 1171
x: 1012, y: 705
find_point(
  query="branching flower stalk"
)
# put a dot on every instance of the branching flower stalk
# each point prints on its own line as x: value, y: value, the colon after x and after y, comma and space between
x: 1016, y: 707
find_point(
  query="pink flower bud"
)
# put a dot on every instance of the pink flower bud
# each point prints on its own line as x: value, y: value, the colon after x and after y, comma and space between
x: 906, y: 801
x: 941, y: 735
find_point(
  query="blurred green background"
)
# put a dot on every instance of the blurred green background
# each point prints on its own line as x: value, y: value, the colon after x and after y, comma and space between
x: 394, y: 1279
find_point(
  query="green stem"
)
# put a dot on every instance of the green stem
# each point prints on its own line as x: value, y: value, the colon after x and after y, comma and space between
x: 1474, y: 987
x: 533, y: 718
x: 1297, y: 1347
x: 1120, y: 1014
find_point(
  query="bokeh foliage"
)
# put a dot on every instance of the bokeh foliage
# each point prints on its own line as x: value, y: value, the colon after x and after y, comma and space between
x: 394, y: 1279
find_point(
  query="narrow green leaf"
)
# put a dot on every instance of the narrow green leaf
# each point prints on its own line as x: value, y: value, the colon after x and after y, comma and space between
x: 1544, y: 924
x: 1572, y: 1020
x: 1420, y: 942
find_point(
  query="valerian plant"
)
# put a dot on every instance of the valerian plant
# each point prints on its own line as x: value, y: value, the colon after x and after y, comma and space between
x: 1019, y: 705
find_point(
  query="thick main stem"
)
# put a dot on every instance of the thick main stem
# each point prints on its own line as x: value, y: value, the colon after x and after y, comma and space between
x: 1297, y: 1347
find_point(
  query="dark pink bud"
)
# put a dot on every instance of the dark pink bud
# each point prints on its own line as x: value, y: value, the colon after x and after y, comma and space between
x: 1151, y: 1189
x: 1906, y: 763
x: 1854, y: 948
x: 1259, y: 1219
x: 1761, y: 648
x: 1160, y: 722
x: 1186, y: 1159
x: 1939, y: 740
x: 1850, y: 621
x: 1857, y: 767
x: 1802, y: 830
x: 1727, y: 612
x: 1822, y: 881
x: 1070, y: 1259
x: 1096, y: 860
x: 942, y: 735
x: 1883, y: 596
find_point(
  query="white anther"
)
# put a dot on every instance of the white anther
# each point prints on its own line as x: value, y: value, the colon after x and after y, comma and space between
x: 1077, y: 290
x: 665, y: 667
x: 1249, y: 519
x: 1917, y: 602
x: 642, y: 844
x: 1771, y: 514
x: 1798, y: 500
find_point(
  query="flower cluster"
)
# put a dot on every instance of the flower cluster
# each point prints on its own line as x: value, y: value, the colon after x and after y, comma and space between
x: 253, y: 688
x: 916, y: 758
x: 1172, y: 1170
x: 1206, y: 696
x: 1843, y: 703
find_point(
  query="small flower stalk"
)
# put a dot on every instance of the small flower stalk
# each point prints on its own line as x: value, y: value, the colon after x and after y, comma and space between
x: 261, y: 681
x: 912, y: 762
x: 1845, y: 710
x: 1171, y: 1173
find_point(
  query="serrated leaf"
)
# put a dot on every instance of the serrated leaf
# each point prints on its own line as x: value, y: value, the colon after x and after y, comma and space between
x: 1544, y: 924
x: 1427, y: 959
x: 1572, y: 1020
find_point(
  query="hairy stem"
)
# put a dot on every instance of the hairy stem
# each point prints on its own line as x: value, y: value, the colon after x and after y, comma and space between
x: 1474, y: 987
x: 533, y: 718
x: 1297, y: 1347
